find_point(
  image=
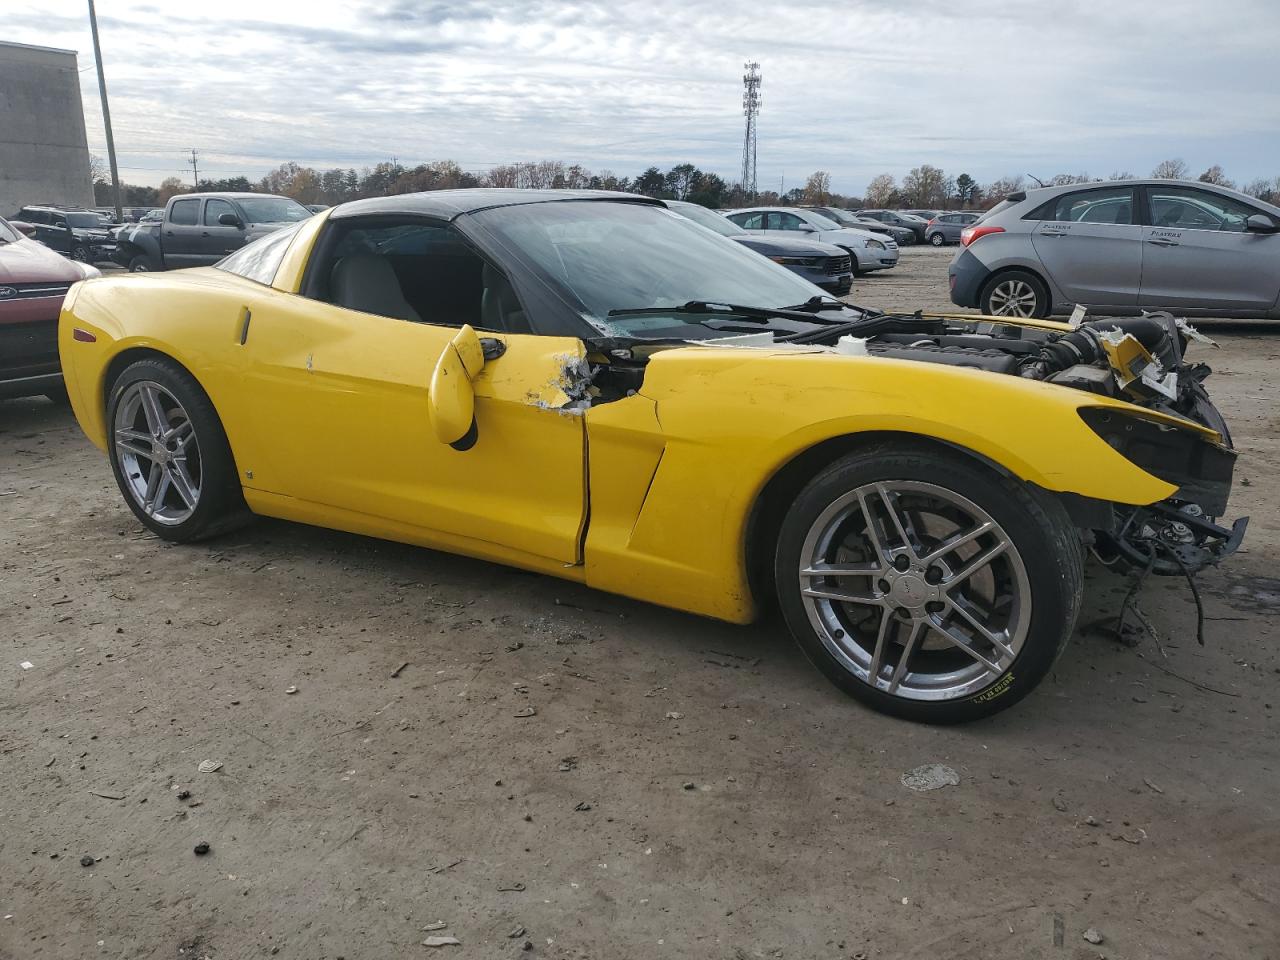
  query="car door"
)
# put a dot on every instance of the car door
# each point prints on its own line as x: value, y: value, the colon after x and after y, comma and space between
x: 1090, y: 243
x: 180, y: 235
x: 216, y: 240
x: 341, y: 392
x: 1197, y: 253
x: 57, y: 235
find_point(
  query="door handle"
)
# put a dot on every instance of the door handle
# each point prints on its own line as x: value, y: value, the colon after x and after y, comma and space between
x: 1161, y: 242
x: 204, y: 233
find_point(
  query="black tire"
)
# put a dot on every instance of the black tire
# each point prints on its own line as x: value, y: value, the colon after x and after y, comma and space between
x: 937, y: 239
x: 80, y: 252
x: 990, y: 289
x: 220, y: 505
x: 1041, y: 535
x: 853, y: 262
x: 141, y: 263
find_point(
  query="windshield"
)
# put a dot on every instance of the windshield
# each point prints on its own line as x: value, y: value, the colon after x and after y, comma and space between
x: 842, y: 217
x: 706, y: 218
x: 87, y: 221
x: 608, y: 255
x: 273, y: 209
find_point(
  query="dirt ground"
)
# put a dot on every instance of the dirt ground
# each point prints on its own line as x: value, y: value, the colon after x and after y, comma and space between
x: 684, y: 789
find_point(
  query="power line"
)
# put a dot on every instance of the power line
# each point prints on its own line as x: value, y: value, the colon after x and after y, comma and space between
x: 195, y: 171
x: 751, y: 81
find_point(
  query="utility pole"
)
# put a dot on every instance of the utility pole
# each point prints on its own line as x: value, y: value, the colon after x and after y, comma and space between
x: 195, y: 171
x: 106, y: 113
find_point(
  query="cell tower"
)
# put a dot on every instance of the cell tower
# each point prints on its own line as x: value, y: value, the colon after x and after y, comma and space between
x: 751, y: 81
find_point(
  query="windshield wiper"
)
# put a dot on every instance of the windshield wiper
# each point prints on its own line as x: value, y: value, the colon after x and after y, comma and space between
x: 819, y: 303
x: 720, y: 310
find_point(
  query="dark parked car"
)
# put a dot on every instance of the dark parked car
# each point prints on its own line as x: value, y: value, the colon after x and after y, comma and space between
x: 83, y: 235
x: 847, y: 218
x: 830, y: 267
x: 945, y: 227
x: 925, y: 215
x: 914, y: 224
x: 33, y: 282
x: 199, y: 229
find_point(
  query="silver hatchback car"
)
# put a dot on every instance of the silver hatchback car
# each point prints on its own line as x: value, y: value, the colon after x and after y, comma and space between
x: 1122, y: 247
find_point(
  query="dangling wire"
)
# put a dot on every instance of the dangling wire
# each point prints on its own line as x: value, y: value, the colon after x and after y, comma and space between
x: 1195, y: 593
x: 1138, y: 581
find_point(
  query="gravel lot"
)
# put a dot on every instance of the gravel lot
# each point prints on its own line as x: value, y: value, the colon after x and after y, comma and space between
x: 684, y: 789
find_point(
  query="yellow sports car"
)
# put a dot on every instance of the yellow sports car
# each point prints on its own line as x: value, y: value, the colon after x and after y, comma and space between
x: 590, y: 386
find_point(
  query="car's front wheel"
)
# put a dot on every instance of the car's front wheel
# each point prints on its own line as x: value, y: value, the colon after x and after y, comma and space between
x: 169, y: 453
x: 927, y: 585
x: 80, y: 252
x: 1015, y: 293
x: 140, y: 263
x: 937, y: 239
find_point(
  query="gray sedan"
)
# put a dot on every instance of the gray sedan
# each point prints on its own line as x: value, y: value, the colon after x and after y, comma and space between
x: 1122, y: 247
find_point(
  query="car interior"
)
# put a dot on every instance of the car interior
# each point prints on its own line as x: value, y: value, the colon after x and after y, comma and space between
x: 415, y: 271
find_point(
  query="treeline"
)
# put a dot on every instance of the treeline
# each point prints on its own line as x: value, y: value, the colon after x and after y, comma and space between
x: 923, y: 187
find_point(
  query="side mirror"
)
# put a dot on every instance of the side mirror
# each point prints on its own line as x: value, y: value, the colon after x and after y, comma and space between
x: 24, y: 228
x: 808, y: 228
x: 451, y: 399
x: 231, y: 220
x: 1261, y: 223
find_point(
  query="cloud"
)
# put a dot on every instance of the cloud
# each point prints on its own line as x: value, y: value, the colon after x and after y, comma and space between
x: 856, y: 87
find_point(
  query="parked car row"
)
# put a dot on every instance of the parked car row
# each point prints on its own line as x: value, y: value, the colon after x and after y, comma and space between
x: 83, y: 235
x: 867, y: 251
x: 1121, y: 248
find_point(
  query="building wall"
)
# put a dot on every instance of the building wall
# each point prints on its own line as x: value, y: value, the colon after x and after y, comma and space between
x: 44, y: 156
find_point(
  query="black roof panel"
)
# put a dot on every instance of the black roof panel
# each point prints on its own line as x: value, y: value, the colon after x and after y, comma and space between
x: 450, y: 204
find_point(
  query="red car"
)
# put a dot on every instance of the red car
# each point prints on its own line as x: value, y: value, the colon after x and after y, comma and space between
x: 33, y: 282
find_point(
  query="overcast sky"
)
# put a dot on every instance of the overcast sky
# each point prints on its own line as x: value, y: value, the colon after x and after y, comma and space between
x: 854, y: 87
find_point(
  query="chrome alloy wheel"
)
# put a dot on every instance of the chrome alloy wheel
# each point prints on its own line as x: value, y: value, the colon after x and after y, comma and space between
x: 1013, y: 298
x: 915, y: 590
x: 157, y: 452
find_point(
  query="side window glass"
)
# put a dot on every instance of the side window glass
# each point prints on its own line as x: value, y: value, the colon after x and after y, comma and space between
x: 259, y: 261
x: 184, y: 213
x: 1092, y: 206
x: 749, y: 221
x: 789, y: 221
x: 214, y: 208
x: 1186, y: 209
x: 420, y: 272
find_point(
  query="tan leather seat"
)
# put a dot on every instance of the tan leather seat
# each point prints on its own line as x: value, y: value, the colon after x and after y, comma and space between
x: 368, y: 283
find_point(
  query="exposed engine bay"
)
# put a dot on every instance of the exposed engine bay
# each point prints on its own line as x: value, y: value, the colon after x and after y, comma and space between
x: 1140, y: 360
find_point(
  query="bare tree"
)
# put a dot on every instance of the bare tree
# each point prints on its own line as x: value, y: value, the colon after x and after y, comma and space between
x: 925, y: 186
x: 168, y: 187
x: 1066, y: 179
x: 1170, y: 170
x: 997, y: 190
x: 1215, y: 176
x: 1121, y: 175
x: 881, y: 190
x: 817, y: 189
x: 1268, y: 191
x: 97, y: 169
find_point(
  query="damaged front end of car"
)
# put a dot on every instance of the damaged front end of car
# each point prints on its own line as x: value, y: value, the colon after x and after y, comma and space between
x: 1177, y: 435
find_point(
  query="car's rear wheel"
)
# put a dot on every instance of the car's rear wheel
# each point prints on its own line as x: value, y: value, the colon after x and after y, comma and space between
x: 1015, y: 293
x: 170, y: 455
x: 937, y: 240
x: 927, y: 585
